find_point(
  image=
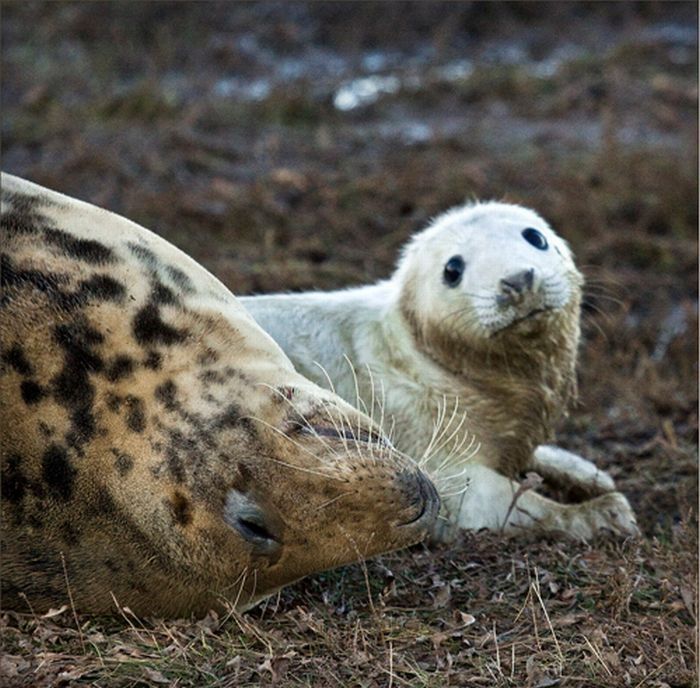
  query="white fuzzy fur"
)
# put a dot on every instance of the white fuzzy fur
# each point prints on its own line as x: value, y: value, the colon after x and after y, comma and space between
x: 323, y: 332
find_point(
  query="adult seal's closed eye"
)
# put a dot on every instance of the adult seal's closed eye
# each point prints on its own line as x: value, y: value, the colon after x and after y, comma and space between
x: 470, y: 350
x: 158, y: 448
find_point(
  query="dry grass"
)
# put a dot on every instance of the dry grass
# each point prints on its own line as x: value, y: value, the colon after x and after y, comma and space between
x: 287, y: 193
x: 476, y: 613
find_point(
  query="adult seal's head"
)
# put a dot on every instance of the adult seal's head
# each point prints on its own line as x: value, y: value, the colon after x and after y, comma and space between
x: 159, y: 450
x: 486, y: 279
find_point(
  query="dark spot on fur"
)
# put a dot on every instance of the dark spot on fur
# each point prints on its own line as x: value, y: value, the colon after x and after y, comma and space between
x: 31, y: 392
x: 13, y: 485
x: 153, y: 360
x: 180, y: 279
x: 182, y: 441
x: 211, y: 399
x: 149, y: 328
x: 181, y: 509
x: 104, y: 504
x: 232, y: 416
x: 165, y: 394
x: 208, y: 357
x: 15, y: 358
x: 72, y: 387
x: 135, y: 415
x: 212, y: 377
x: 114, y: 402
x: 87, y: 250
x: 45, y: 429
x: 97, y: 287
x: 13, y: 278
x: 144, y: 255
x: 175, y: 466
x: 102, y: 288
x: 23, y: 217
x: 161, y: 294
x: 58, y: 472
x: 111, y: 566
x: 120, y: 367
x: 14, y: 223
x: 123, y: 462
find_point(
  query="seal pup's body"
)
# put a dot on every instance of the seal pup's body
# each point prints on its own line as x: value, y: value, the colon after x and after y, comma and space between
x: 470, y: 349
x: 158, y: 449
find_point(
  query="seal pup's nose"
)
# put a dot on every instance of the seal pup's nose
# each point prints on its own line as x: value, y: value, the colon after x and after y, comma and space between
x: 515, y: 286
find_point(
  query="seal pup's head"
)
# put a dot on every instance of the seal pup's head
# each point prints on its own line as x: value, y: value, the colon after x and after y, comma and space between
x: 489, y: 277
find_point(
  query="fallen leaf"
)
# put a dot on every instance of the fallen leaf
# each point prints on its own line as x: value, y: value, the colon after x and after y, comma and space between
x: 73, y: 674
x: 437, y: 639
x: 12, y: 665
x: 442, y: 597
x: 54, y: 612
x: 464, y: 619
x: 546, y: 682
x: 568, y: 620
x: 688, y: 596
x: 155, y: 676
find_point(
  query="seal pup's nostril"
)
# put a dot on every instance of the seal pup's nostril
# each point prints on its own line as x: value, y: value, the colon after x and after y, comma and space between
x: 514, y: 286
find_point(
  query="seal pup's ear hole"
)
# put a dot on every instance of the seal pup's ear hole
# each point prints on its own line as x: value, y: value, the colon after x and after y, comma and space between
x: 453, y: 271
x: 536, y: 238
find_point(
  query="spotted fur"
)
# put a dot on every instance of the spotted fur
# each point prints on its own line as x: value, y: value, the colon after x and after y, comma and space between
x: 142, y: 414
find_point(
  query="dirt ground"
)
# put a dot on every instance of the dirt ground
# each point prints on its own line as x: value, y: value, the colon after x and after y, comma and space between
x: 290, y: 146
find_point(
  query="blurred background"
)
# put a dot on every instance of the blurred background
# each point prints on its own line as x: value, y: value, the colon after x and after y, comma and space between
x: 297, y: 145
x: 292, y: 146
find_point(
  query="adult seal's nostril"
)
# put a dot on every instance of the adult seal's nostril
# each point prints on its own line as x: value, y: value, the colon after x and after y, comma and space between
x: 426, y: 502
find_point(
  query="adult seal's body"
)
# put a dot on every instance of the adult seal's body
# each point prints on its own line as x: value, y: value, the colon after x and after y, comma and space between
x: 470, y: 350
x: 158, y: 449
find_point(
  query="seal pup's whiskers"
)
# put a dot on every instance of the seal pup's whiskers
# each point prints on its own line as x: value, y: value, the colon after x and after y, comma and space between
x: 475, y: 338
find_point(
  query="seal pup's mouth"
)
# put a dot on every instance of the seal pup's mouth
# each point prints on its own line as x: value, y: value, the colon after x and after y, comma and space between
x: 529, y: 316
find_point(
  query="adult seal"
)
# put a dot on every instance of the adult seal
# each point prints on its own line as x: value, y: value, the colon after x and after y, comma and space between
x: 159, y: 451
x: 470, y: 350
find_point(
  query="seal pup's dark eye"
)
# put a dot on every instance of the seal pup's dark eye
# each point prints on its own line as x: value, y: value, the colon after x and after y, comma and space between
x: 532, y: 236
x: 454, y: 268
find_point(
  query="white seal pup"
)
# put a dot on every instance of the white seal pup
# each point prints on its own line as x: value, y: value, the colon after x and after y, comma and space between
x: 470, y: 350
x: 158, y: 449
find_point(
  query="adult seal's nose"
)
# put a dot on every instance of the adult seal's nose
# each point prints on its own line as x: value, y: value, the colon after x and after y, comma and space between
x: 425, y: 503
x: 515, y: 286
